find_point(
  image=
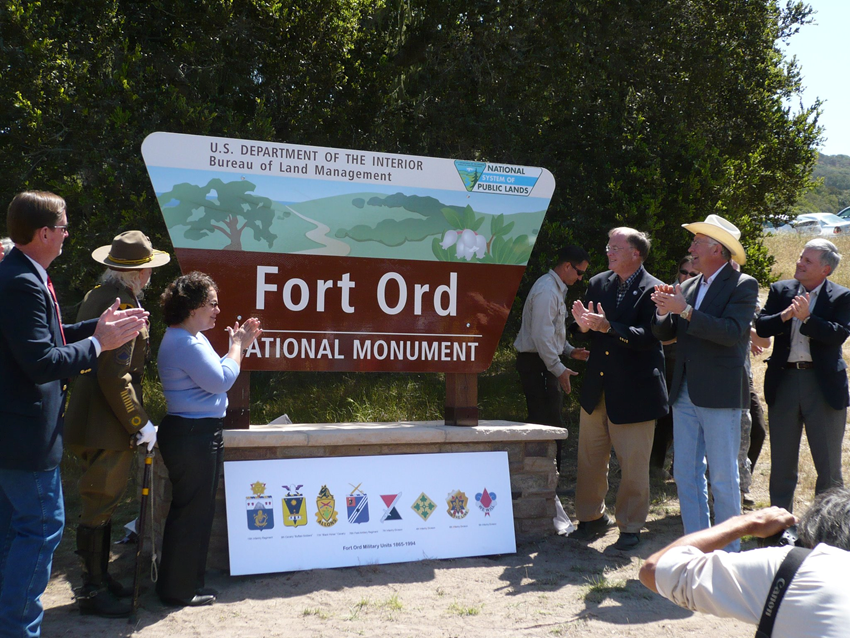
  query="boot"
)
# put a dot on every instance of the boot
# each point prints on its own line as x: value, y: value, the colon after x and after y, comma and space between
x: 94, y: 596
x: 115, y: 586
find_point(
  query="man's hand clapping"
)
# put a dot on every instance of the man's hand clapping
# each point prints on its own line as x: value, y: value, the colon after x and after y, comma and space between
x: 116, y: 327
x: 669, y: 298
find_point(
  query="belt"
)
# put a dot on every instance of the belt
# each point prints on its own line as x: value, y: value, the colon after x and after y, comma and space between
x: 800, y: 365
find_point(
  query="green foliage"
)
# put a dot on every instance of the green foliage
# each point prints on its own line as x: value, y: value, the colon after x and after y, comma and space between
x: 462, y: 219
x: 831, y: 187
x: 649, y: 113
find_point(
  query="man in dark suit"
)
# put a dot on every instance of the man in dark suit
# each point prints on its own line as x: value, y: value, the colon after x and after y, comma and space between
x: 624, y: 390
x: 806, y: 378
x: 37, y: 355
x: 710, y: 317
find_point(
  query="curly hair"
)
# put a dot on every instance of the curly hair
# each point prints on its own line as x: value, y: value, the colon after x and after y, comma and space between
x: 827, y: 520
x: 185, y: 294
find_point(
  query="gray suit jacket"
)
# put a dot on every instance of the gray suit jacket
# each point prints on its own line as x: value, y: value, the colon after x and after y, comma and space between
x: 712, y: 348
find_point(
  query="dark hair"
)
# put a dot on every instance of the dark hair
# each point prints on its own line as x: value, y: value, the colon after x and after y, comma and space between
x: 686, y: 259
x: 573, y: 254
x: 827, y: 520
x: 185, y: 294
x: 31, y: 210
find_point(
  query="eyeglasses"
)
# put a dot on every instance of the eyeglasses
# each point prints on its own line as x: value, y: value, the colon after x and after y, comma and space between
x: 612, y: 249
x: 579, y: 271
x: 63, y: 228
x: 212, y: 304
x: 704, y: 242
x: 688, y: 273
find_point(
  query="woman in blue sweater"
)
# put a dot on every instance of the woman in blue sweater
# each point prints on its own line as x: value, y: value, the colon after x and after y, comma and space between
x: 195, y: 381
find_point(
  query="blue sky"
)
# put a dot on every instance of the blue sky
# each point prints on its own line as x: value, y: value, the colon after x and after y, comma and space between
x: 821, y: 50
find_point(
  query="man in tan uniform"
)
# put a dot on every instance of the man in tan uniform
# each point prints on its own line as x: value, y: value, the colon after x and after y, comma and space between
x: 105, y: 418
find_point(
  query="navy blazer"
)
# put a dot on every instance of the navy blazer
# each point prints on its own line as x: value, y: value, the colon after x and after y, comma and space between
x: 827, y: 329
x: 34, y: 367
x: 626, y: 364
x: 712, y: 348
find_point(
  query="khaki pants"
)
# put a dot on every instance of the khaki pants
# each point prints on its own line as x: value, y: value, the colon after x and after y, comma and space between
x: 632, y: 443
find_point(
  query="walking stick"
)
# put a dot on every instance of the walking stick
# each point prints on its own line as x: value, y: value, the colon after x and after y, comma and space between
x: 140, y: 533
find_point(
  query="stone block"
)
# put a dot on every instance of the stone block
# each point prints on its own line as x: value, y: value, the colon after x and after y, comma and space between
x: 530, y: 482
x: 534, y: 508
x: 538, y: 464
x: 537, y: 527
x: 541, y: 448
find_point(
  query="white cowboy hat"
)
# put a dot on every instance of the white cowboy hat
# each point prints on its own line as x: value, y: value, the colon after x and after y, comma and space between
x: 131, y: 250
x: 721, y: 231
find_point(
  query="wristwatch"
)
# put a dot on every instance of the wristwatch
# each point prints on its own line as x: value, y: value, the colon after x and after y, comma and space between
x: 686, y: 313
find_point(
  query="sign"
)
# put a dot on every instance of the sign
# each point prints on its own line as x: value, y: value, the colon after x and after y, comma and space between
x: 353, y: 260
x: 297, y: 514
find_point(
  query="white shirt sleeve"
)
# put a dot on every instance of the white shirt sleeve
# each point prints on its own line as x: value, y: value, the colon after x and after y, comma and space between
x: 731, y: 585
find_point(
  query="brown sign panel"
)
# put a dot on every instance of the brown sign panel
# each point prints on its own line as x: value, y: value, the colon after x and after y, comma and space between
x: 353, y: 261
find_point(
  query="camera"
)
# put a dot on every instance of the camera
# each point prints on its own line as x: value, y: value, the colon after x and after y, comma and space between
x: 782, y: 539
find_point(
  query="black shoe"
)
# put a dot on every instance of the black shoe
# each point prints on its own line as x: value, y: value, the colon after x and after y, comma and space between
x: 117, y: 588
x: 198, y: 600
x: 627, y: 540
x: 207, y: 591
x: 590, y: 530
x: 102, y: 602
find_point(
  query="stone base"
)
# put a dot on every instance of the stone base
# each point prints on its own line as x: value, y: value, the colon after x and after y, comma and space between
x: 531, y: 457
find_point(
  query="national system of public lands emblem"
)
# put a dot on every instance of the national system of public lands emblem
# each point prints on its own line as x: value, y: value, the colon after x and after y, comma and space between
x: 357, y: 505
x: 326, y: 515
x: 458, y: 504
x: 260, y: 508
x: 423, y: 506
x: 294, y: 507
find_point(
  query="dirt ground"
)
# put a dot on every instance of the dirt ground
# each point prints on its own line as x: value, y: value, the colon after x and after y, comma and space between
x: 554, y: 587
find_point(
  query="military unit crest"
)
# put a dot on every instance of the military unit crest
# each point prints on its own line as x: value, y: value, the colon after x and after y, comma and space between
x: 326, y: 515
x: 424, y: 506
x: 458, y: 504
x: 357, y: 505
x: 260, y: 506
x: 294, y: 507
x: 486, y: 501
x: 390, y: 501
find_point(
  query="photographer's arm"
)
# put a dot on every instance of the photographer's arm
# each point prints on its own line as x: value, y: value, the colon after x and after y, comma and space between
x: 762, y: 524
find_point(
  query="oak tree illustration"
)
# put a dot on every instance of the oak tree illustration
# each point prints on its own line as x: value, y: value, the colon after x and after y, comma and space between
x: 224, y: 207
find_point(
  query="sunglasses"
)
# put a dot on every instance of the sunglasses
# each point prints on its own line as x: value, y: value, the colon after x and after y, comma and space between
x: 579, y: 272
x: 689, y: 274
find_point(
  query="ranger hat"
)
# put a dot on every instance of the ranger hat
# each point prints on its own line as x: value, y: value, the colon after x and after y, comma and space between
x: 131, y: 250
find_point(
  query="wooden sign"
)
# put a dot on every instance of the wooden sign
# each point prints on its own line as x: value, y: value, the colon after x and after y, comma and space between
x: 353, y: 260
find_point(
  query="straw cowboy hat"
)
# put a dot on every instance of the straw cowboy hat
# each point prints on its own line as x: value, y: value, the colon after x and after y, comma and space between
x: 131, y: 250
x: 721, y: 231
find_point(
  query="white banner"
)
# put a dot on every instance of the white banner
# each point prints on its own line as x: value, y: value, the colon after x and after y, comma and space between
x: 296, y: 514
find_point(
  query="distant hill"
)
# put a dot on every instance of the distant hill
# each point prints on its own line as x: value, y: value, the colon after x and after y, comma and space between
x: 833, y: 192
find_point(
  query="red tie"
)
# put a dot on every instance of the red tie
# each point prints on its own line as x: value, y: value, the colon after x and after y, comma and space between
x: 56, y: 306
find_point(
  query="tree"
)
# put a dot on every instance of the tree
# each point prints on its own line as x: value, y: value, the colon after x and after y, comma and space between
x: 650, y: 113
x: 219, y: 207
